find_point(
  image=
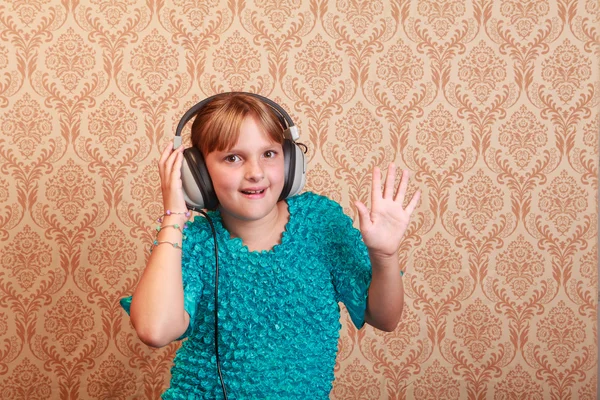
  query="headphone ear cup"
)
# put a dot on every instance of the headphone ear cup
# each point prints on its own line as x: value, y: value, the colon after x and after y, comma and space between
x: 197, y: 186
x: 298, y: 180
x: 294, y: 169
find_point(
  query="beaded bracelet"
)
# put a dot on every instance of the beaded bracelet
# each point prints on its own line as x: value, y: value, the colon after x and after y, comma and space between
x: 157, y: 243
x: 169, y: 212
x: 176, y: 226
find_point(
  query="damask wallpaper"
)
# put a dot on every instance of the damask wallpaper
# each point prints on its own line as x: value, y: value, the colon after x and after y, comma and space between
x: 493, y: 105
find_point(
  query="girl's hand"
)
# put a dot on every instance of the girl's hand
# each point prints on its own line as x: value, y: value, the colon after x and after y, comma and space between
x: 382, y: 228
x: 169, y: 168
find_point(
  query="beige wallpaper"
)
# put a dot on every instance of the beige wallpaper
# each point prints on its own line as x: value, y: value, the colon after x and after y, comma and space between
x: 494, y: 106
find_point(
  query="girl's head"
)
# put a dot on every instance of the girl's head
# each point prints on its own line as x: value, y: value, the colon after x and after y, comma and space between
x: 218, y: 124
x: 241, y: 140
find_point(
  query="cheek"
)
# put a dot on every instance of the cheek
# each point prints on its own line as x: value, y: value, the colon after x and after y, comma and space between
x: 224, y: 183
x: 276, y: 174
x: 222, y: 180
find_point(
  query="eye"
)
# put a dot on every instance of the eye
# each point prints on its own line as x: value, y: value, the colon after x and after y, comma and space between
x: 270, y: 154
x: 231, y: 158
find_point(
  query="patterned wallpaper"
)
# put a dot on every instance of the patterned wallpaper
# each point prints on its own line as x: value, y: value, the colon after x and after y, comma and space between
x: 494, y: 106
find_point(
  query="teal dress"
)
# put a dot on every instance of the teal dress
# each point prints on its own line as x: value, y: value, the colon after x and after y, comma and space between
x: 279, y: 317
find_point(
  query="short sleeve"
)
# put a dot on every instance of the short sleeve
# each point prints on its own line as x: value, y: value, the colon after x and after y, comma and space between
x: 192, y: 283
x: 349, y: 261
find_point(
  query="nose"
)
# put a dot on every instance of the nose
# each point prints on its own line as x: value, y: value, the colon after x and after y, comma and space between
x: 254, y: 171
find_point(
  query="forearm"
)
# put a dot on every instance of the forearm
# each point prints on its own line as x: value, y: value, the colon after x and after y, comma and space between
x: 157, y: 311
x: 386, y: 294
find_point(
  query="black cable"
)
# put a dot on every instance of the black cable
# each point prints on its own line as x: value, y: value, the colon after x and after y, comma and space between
x: 212, y: 228
x: 305, y: 147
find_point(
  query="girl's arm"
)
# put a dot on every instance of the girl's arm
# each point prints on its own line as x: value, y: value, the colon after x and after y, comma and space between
x: 157, y: 311
x: 386, y: 294
x: 382, y: 229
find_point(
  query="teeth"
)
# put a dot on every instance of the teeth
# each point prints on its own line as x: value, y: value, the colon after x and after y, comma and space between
x: 253, y: 191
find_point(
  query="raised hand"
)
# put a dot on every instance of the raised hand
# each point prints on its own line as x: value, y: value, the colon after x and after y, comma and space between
x: 384, y: 225
x: 169, y: 168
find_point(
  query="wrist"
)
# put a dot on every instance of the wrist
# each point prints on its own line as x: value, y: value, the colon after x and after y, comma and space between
x: 177, y: 211
x: 383, y: 256
x: 173, y: 219
x: 385, y: 264
x: 182, y: 215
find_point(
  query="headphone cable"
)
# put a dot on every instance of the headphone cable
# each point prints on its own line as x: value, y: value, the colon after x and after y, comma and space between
x: 212, y: 228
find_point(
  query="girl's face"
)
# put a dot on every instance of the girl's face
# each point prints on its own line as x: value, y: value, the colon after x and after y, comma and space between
x: 248, y: 178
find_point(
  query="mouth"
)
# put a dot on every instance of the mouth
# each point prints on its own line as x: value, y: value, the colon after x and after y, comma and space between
x: 253, y: 192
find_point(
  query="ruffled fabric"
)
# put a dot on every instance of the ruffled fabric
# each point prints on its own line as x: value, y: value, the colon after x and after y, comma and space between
x: 278, y: 309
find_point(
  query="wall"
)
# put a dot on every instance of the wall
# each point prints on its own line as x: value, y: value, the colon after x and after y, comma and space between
x: 492, y: 104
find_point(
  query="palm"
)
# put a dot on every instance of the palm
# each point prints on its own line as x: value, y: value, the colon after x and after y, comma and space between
x: 383, y: 226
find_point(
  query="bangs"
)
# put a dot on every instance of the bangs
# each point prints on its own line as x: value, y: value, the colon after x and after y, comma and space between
x: 217, y: 126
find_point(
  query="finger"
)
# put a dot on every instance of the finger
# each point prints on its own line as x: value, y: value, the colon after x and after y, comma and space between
x: 163, y: 157
x: 413, y: 202
x: 169, y: 163
x: 176, y: 171
x: 388, y: 190
x: 402, y: 187
x: 376, y: 186
x: 165, y: 153
x: 364, y: 218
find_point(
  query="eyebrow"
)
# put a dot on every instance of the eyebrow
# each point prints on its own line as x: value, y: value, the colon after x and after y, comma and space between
x: 265, y: 148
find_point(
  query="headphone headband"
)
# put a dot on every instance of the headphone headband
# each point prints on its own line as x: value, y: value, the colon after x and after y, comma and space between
x: 290, y: 129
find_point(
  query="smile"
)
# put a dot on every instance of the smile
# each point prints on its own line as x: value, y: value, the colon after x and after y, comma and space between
x: 253, y: 191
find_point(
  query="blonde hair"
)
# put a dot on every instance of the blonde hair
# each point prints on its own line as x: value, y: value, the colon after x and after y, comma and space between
x: 217, y: 125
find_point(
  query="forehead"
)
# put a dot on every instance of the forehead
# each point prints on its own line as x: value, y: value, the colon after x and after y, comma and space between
x: 251, y: 136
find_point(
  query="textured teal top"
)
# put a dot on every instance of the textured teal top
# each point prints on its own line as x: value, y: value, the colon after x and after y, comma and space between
x: 278, y: 309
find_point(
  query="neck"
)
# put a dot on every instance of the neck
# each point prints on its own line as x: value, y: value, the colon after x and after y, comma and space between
x: 261, y: 234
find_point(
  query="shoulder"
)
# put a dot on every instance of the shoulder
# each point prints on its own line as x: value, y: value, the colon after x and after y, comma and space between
x: 314, y: 203
x: 198, y: 226
x: 319, y: 210
x: 197, y: 232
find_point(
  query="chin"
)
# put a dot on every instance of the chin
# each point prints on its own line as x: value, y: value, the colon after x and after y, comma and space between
x: 246, y: 215
x: 253, y: 213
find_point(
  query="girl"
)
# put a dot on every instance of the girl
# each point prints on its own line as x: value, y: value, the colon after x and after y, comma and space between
x: 284, y: 265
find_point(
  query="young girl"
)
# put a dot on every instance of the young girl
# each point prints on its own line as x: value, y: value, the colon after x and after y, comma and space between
x: 283, y: 266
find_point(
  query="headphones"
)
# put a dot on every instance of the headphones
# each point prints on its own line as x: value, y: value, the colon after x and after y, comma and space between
x: 198, y: 189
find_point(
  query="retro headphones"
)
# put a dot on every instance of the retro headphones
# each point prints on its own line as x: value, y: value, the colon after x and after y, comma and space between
x: 197, y: 185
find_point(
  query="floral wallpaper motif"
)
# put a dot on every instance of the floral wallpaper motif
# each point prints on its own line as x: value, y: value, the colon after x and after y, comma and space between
x: 493, y: 105
x: 522, y: 135
x: 521, y: 266
x: 70, y: 320
x: 27, y: 125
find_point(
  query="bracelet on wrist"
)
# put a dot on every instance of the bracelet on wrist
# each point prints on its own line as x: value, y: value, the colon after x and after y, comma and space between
x: 176, y: 226
x: 157, y: 243
x: 159, y: 228
x: 169, y: 212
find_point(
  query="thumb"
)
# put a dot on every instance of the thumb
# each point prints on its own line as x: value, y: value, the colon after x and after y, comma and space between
x: 364, y: 217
